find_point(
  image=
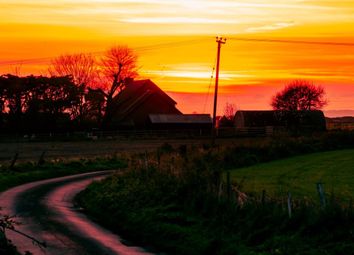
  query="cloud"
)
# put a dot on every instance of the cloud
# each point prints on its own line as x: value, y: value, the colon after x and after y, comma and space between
x: 274, y: 26
x: 177, y: 20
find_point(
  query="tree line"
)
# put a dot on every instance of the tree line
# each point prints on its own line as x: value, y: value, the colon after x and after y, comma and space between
x: 79, y: 94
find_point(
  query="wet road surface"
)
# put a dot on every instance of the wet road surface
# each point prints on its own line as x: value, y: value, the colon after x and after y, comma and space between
x: 46, y: 212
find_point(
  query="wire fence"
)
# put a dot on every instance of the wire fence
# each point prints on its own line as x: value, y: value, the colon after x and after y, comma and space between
x: 139, y: 134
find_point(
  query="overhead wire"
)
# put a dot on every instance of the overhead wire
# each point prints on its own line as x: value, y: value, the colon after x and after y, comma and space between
x: 208, y: 93
x: 182, y: 43
x: 138, y: 49
x: 291, y: 41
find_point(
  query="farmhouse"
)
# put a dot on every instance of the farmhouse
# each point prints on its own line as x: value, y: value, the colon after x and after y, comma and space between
x: 143, y: 105
x: 288, y: 120
x: 139, y: 99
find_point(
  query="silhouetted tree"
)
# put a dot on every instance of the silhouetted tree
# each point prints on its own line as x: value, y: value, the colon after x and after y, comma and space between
x: 294, y: 102
x: 84, y: 72
x: 299, y: 95
x: 229, y: 110
x: 14, y: 98
x: 228, y: 115
x: 2, y: 101
x: 37, y: 103
x: 96, y: 104
x: 82, y: 67
x: 119, y: 65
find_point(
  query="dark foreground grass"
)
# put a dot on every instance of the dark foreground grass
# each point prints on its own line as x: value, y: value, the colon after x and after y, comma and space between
x: 184, y: 214
x: 300, y: 174
x: 6, y: 248
x: 178, y: 204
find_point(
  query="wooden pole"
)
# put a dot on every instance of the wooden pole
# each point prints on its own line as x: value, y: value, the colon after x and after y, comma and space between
x: 290, y: 206
x: 220, y: 41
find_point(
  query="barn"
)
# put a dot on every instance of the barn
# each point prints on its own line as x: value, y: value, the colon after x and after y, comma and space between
x: 137, y: 101
x: 302, y: 121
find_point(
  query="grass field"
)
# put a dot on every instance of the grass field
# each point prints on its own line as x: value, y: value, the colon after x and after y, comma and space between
x: 31, y: 151
x: 299, y: 175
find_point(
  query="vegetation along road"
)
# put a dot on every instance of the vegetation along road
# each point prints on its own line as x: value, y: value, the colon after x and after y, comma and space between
x: 46, y: 212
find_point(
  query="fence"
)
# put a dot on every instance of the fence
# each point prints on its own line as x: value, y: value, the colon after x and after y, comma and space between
x: 140, y: 134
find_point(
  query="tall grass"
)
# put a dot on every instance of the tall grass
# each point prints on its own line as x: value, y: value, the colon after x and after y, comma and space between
x: 177, y: 201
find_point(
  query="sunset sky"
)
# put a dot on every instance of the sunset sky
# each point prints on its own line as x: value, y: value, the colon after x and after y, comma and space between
x: 175, y: 41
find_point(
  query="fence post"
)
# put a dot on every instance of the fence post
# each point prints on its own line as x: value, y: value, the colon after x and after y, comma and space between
x: 321, y: 194
x: 41, y: 159
x: 146, y: 161
x: 228, y: 185
x: 13, y: 161
x: 220, y: 189
x: 158, y: 157
x: 289, y: 205
x: 263, y: 197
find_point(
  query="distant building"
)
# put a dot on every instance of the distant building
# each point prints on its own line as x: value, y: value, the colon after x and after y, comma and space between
x: 137, y: 101
x: 301, y: 121
x: 224, y: 122
x: 340, y: 123
x: 244, y: 119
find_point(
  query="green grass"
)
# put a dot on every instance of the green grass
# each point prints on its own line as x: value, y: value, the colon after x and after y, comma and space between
x: 183, y: 215
x: 299, y: 175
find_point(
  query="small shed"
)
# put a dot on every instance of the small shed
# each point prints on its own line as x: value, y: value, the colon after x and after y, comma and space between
x: 180, y: 121
x: 290, y: 120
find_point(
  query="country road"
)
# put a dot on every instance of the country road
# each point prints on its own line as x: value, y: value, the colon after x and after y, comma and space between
x: 46, y: 212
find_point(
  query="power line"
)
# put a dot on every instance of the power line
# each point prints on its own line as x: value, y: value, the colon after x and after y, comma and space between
x: 178, y: 44
x: 211, y: 79
x: 170, y: 44
x: 138, y: 49
x: 291, y: 41
x: 26, y: 61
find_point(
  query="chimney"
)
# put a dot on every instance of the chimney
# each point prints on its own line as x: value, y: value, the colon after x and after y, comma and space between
x: 128, y: 81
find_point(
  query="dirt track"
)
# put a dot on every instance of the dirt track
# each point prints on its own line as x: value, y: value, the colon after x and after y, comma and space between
x: 28, y: 151
x: 46, y: 212
x: 78, y: 149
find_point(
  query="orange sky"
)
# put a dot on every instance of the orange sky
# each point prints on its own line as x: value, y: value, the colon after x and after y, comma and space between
x: 175, y: 40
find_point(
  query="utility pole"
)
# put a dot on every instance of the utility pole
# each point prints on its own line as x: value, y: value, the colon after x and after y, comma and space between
x: 220, y: 41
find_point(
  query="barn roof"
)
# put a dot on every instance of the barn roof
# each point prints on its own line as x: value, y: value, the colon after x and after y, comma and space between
x: 180, y: 118
x: 137, y: 90
x: 135, y: 94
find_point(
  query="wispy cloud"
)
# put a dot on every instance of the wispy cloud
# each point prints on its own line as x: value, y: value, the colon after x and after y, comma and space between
x: 178, y: 20
x: 274, y: 26
x: 228, y: 16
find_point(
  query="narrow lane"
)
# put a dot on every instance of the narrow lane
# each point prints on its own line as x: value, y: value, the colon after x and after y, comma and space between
x: 46, y: 212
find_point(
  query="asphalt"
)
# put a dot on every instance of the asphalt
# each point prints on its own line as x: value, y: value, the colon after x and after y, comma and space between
x: 46, y: 212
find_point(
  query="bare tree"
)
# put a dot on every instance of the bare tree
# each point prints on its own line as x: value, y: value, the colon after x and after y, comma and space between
x: 81, y: 67
x: 83, y: 70
x: 106, y: 77
x: 299, y: 95
x: 117, y: 65
x: 229, y: 110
